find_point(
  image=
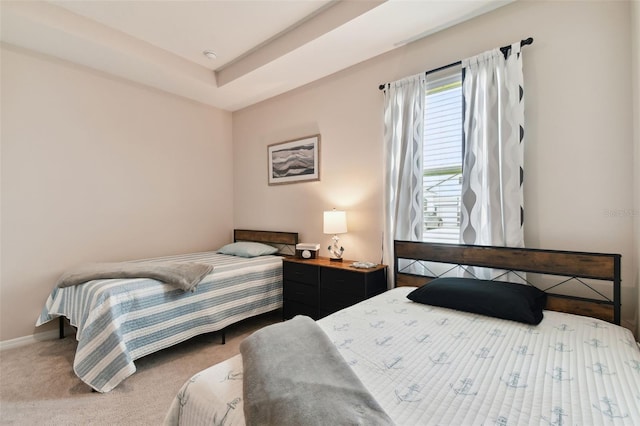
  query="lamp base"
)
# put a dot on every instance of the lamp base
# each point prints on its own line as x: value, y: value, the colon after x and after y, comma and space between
x: 335, y: 251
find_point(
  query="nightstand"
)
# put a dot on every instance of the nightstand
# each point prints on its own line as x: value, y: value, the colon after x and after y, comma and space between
x: 319, y: 287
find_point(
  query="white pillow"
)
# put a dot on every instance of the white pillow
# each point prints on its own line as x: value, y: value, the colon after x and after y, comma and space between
x: 247, y: 249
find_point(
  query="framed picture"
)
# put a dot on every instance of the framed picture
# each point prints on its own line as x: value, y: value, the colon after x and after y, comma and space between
x: 294, y: 161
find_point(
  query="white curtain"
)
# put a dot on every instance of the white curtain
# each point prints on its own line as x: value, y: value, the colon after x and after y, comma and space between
x: 403, y: 133
x: 492, y: 176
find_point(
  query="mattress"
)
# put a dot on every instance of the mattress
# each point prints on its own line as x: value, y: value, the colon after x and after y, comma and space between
x: 435, y: 366
x: 121, y: 320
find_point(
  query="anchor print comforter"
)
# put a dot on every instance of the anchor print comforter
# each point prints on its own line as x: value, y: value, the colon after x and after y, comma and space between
x: 435, y: 366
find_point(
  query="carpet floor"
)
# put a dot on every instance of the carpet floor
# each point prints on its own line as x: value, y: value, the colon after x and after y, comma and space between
x: 38, y: 385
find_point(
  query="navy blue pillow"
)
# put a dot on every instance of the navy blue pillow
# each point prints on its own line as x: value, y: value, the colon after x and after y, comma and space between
x: 516, y: 302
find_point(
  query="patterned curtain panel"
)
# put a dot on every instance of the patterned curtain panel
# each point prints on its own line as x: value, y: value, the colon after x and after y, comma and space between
x: 492, y: 176
x: 403, y: 134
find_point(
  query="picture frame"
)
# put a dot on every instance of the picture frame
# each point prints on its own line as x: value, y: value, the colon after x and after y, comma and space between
x: 294, y: 161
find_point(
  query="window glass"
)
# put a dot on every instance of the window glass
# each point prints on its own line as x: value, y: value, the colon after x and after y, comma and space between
x: 442, y: 177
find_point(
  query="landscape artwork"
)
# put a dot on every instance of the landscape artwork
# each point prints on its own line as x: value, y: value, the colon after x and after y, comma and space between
x: 294, y: 161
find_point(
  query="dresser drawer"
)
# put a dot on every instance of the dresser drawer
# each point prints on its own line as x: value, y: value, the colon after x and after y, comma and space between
x: 300, y: 272
x: 332, y: 302
x: 300, y: 292
x: 291, y: 309
x: 343, y: 281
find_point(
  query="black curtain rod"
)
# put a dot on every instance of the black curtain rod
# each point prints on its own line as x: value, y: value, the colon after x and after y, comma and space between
x: 505, y: 51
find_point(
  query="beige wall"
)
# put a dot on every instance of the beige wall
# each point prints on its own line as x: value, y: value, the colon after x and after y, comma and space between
x: 579, y: 153
x: 635, y: 56
x: 95, y: 168
x: 98, y: 169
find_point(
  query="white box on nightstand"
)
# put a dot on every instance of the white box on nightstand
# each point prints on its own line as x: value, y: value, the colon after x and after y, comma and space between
x: 307, y: 250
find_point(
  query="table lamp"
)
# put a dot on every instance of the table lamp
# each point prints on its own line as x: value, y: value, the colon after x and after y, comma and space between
x: 335, y: 222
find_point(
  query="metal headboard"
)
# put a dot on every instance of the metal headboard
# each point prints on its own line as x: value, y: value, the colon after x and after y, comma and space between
x: 572, y: 264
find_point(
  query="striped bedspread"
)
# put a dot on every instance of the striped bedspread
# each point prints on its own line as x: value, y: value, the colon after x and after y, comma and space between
x: 121, y: 320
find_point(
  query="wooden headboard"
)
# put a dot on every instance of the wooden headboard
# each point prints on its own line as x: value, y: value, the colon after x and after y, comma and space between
x: 579, y: 265
x: 285, y: 241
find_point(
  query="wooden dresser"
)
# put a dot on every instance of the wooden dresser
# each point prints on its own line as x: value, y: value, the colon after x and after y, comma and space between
x: 319, y: 287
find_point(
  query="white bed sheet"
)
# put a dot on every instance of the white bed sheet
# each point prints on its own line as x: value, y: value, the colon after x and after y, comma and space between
x: 434, y: 366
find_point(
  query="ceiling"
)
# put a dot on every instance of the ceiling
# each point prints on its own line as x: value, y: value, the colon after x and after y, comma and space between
x: 263, y: 47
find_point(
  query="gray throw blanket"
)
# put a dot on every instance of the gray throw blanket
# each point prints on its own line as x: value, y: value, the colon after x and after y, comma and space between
x: 184, y: 276
x: 294, y: 375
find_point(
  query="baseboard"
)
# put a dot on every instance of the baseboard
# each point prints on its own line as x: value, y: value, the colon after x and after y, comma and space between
x: 34, y: 338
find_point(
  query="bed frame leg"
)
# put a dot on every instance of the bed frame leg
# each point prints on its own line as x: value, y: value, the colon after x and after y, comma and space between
x: 61, y: 327
x: 224, y: 337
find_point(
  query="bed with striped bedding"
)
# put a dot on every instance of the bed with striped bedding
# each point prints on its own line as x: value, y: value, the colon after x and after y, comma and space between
x: 121, y: 320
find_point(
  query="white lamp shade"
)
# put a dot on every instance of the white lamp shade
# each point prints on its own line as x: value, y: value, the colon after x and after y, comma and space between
x: 335, y: 222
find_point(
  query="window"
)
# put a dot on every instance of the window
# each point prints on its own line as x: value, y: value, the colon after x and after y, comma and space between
x: 442, y: 164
